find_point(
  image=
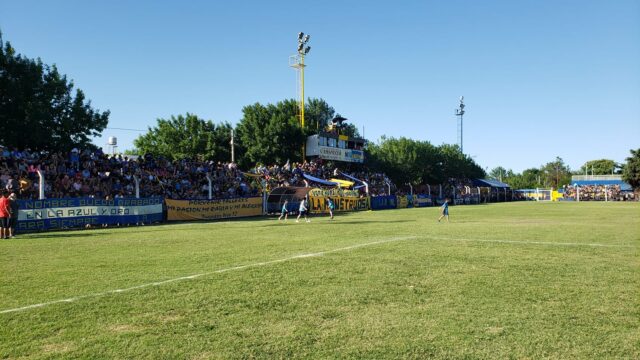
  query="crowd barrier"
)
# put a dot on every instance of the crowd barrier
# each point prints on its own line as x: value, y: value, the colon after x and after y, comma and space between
x: 35, y: 215
x: 384, y: 202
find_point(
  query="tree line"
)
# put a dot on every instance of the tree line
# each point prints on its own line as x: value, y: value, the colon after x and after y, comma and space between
x: 557, y: 174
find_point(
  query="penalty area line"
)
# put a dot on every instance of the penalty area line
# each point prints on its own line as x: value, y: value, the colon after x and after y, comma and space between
x: 195, y: 276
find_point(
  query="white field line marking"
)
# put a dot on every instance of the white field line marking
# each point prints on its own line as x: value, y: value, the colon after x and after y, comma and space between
x: 194, y: 276
x: 531, y: 242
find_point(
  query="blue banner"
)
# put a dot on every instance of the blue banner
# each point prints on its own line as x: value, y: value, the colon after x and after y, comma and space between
x: 422, y: 200
x: 47, y: 214
x: 384, y: 202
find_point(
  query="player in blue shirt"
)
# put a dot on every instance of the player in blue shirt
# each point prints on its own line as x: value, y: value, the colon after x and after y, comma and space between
x: 331, y: 207
x: 444, y: 210
x: 285, y: 211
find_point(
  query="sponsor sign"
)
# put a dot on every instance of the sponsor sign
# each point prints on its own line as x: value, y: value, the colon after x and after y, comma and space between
x: 348, y: 155
x: 344, y: 200
x: 213, y: 209
x: 79, y: 212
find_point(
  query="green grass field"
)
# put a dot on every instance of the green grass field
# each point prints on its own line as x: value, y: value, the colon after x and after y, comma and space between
x: 515, y: 280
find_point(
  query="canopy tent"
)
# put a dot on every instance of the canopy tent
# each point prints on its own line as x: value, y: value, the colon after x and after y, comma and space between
x: 278, y: 195
x: 490, y: 183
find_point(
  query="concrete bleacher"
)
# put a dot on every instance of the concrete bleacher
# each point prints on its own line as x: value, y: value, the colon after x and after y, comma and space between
x: 609, y: 180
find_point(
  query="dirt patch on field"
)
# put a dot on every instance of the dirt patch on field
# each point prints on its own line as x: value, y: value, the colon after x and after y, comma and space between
x: 123, y: 328
x: 57, y: 348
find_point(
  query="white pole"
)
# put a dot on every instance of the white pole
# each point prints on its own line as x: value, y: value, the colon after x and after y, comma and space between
x: 578, y: 193
x: 264, y: 201
x: 429, y: 189
x: 135, y: 178
x: 41, y: 186
x: 233, y: 153
x: 537, y: 194
x: 209, y: 180
x: 605, y: 193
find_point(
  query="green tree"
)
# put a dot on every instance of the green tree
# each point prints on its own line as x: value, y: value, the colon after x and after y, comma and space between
x: 631, y: 170
x: 599, y: 167
x: 419, y: 162
x: 529, y: 179
x: 270, y: 134
x: 35, y: 97
x: 498, y: 173
x: 134, y: 152
x: 455, y: 164
x: 556, y: 173
x: 187, y: 137
x: 317, y: 114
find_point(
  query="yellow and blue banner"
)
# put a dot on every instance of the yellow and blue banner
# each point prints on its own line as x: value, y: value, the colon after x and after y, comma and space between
x: 213, y: 209
x: 344, y: 200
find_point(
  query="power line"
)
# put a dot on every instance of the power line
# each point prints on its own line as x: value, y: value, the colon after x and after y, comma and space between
x: 114, y: 128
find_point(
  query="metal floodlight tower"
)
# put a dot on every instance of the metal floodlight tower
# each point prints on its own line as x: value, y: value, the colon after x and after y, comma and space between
x: 460, y: 112
x: 297, y: 62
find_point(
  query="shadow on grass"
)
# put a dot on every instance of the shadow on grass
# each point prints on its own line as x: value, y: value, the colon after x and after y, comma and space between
x: 52, y: 235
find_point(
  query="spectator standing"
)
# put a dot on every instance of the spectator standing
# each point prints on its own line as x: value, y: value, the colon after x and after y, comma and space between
x: 4, y: 215
x: 14, y: 210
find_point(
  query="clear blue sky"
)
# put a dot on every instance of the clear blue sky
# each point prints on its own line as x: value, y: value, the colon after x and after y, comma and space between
x: 540, y: 78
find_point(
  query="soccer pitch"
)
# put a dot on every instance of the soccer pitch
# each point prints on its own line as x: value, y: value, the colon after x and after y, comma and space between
x: 511, y: 280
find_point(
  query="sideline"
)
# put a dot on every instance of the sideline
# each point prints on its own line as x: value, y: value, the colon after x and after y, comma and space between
x: 195, y: 276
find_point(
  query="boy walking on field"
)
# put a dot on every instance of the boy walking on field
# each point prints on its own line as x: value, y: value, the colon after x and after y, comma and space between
x: 285, y: 211
x: 444, y: 210
x: 303, y: 210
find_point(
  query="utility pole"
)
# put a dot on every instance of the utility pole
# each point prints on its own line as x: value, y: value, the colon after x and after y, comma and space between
x: 297, y: 62
x: 460, y: 112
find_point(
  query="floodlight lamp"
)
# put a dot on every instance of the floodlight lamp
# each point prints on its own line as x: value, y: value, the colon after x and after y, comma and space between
x: 300, y: 47
x: 300, y: 35
x: 306, y: 38
x: 306, y: 51
x: 461, y: 98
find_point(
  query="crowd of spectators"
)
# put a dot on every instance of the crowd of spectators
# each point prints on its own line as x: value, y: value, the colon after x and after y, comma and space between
x: 92, y: 173
x: 596, y: 193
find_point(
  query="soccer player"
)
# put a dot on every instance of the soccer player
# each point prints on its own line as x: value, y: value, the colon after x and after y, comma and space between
x: 303, y: 210
x: 330, y: 206
x: 444, y: 210
x: 284, y: 212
